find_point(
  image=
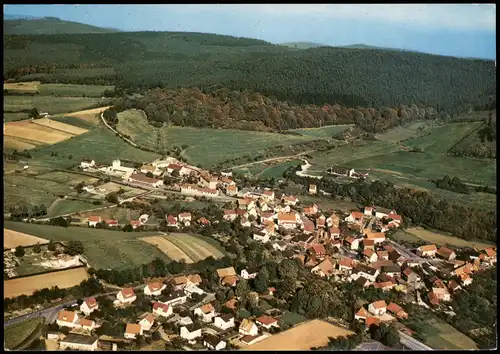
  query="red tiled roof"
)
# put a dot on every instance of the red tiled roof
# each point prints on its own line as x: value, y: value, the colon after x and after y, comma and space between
x: 135, y: 222
x: 372, y: 321
x: 85, y: 322
x: 444, y: 252
x: 356, y: 214
x: 379, y: 304
x: 490, y: 252
x: 127, y: 292
x: 288, y: 217
x: 368, y: 242
x: 160, y: 306
x: 111, y: 222
x: 171, y: 219
x: 203, y: 220
x: 229, y: 212
x: 66, y: 316
x: 133, y: 328
x: 91, y: 302
x: 335, y: 230
x: 428, y: 248
x: 185, y: 215
x: 318, y: 249
x: 394, y: 217
x: 94, y: 218
x: 362, y: 312
x: 347, y: 262
x: 154, y: 286
x: 394, y: 308
x: 266, y: 320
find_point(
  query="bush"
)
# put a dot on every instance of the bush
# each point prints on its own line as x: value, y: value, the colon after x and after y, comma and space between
x: 19, y: 251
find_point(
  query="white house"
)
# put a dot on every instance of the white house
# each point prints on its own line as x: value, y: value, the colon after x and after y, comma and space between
x: 355, y: 217
x: 249, y: 273
x: 86, y: 163
x: 190, y: 332
x: 364, y: 271
x: 368, y: 211
x: 132, y: 330
x: 267, y: 322
x: 89, y: 305
x: 205, y: 312
x: 126, y: 295
x: 161, y: 309
x: 185, y: 218
x: 212, y: 342
x: 175, y: 298
x: 261, y: 236
x: 427, y: 251
x: 208, y: 181
x: 362, y: 314
x: 377, y: 237
x: 79, y: 342
x: 378, y: 307
x: 224, y: 321
x: 290, y: 200
x: 94, y: 220
x: 279, y: 246
x: 230, y: 215
x: 248, y: 328
x: 172, y: 221
x: 289, y: 220
x: 191, y: 289
x: 147, y: 322
x: 154, y: 289
x: 85, y: 324
x: 184, y: 321
x: 67, y: 319
x: 268, y: 195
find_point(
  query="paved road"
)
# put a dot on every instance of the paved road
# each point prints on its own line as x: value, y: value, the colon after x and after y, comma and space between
x: 411, y: 342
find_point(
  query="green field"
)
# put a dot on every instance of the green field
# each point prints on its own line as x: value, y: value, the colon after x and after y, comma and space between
x: 12, y: 117
x: 74, y: 121
x: 16, y: 334
x: 133, y: 123
x: 276, y: 171
x: 406, y: 131
x: 326, y: 132
x: 446, y: 337
x: 52, y: 105
x: 292, y: 318
x: 103, y: 248
x: 66, y: 206
x: 73, y: 90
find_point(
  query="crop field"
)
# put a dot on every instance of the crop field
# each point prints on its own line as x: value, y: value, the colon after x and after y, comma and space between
x: 74, y: 121
x: 88, y: 115
x: 13, y: 117
x: 406, y: 131
x: 445, y: 337
x: 73, y: 90
x: 67, y: 206
x: 276, y: 171
x: 11, y: 142
x: 71, y: 179
x: 103, y: 248
x: 12, y: 239
x: 66, y: 128
x: 16, y: 334
x: 35, y: 132
x: 22, y: 87
x: 52, y: 105
x: 305, y: 336
x: 440, y: 239
x: 26, y: 286
x: 326, y: 132
x: 170, y: 249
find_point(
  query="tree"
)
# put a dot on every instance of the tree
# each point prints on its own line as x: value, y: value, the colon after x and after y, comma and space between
x: 112, y: 198
x: 51, y: 246
x: 287, y: 286
x: 288, y: 269
x: 242, y: 289
x: 34, y: 113
x: 74, y: 248
x: 128, y: 228
x: 37, y: 248
x: 150, y: 174
x: 19, y: 251
x: 261, y: 282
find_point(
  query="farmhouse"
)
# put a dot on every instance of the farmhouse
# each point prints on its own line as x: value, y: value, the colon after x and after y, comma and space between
x: 161, y: 309
x: 94, y: 220
x: 378, y: 307
x: 205, y: 312
x: 86, y: 163
x: 248, y: 328
x: 79, y: 342
x: 148, y: 181
x: 132, y: 330
x: 212, y: 342
x: 427, y: 251
x: 190, y: 332
x: 224, y: 322
x: 89, y: 305
x: 446, y: 253
x: 267, y: 322
x: 67, y: 319
x: 126, y: 295
x: 147, y: 322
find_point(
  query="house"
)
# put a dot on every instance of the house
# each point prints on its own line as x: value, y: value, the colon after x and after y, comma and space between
x: 289, y: 200
x: 378, y: 307
x: 206, y: 312
x: 384, y: 285
x: 147, y: 322
x: 246, y: 203
x: 334, y: 232
x: 382, y: 255
x: 369, y: 244
x: 126, y: 295
x: 410, y: 276
x: 362, y: 314
x: 397, y: 310
x: 184, y: 218
x: 377, y: 237
x: 288, y: 220
x: 190, y: 332
x: 230, y: 281
x: 368, y: 211
x: 191, y: 289
x: 391, y: 270
x: 364, y: 271
x: 226, y: 181
x: 208, y: 181
x: 85, y: 324
x: 191, y: 189
x: 248, y: 328
x: 490, y: 254
x: 465, y: 279
x: 230, y: 215
x: 245, y: 222
x: 154, y: 289
x: 261, y: 236
x: 333, y: 221
x: 324, y: 269
x: 231, y: 190
x: 67, y: 319
x: 135, y: 224
x: 433, y: 299
x: 346, y: 264
x: 145, y: 180
x: 111, y: 222
x: 381, y: 213
x: 225, y: 272
x: 172, y: 221
x: 268, y: 195
x: 317, y: 250
x: 279, y: 246
x: 224, y: 321
x: 363, y: 282
x: 184, y: 321
x: 132, y: 330
x: 267, y: 216
x: 270, y: 291
x: 352, y: 242
x: 308, y: 226
x: 427, y: 251
x: 86, y: 163
x: 369, y: 255
x: 355, y: 217
x: 445, y: 253
x: 320, y: 221
x: 94, y: 220
x: 441, y: 294
x: 396, y: 257
x: 175, y: 298
x: 161, y: 309
x: 267, y: 322
x: 372, y: 321
x: 182, y: 281
x: 453, y: 286
x: 394, y: 218
x: 183, y: 170
x: 249, y: 273
x: 310, y: 210
x: 79, y: 342
x: 150, y: 168
x: 89, y: 305
x: 312, y: 189
x: 212, y: 342
x: 203, y: 221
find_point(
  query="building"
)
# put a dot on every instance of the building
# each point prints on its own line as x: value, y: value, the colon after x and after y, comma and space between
x: 79, y: 342
x: 151, y: 168
x: 267, y: 322
x: 427, y: 251
x: 208, y: 181
x: 310, y: 210
x: 324, y: 269
x: 249, y: 273
x: 154, y: 289
x: 205, y: 312
x: 248, y: 328
x: 333, y: 221
x: 261, y: 236
x: 312, y: 189
x: 352, y: 242
x: 368, y: 211
x: 172, y: 221
x: 378, y: 307
x: 279, y: 246
x: 268, y: 195
x: 185, y: 218
x: 369, y: 255
x: 355, y: 217
x: 126, y: 295
x: 410, y: 276
x: 145, y: 180
x: 67, y: 319
x: 441, y: 294
x: 191, y: 289
x: 85, y: 324
x: 289, y: 200
x: 397, y: 310
x: 224, y: 322
x: 446, y: 253
x: 288, y: 220
x: 231, y: 190
x: 111, y: 222
x: 147, y: 322
x: 214, y: 343
x: 362, y: 314
x: 230, y: 215
x: 94, y: 220
x: 391, y: 270
x: 194, y: 190
x: 86, y: 163
x: 190, y: 332
x: 364, y: 271
x: 117, y: 168
x: 161, y: 309
x: 132, y: 330
x: 346, y: 264
x: 174, y: 298
x: 377, y: 237
x: 89, y: 305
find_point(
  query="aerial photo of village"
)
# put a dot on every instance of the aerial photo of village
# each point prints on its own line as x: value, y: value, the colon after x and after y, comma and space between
x: 250, y: 177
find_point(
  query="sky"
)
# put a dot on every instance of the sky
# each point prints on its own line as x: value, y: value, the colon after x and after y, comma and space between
x: 463, y: 30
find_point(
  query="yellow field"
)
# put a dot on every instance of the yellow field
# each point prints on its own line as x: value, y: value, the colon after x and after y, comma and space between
x: 305, y: 336
x: 66, y: 128
x: 196, y: 248
x: 89, y: 115
x: 63, y: 279
x: 12, y: 239
x: 16, y: 143
x: 171, y: 250
x: 31, y: 86
x: 440, y: 239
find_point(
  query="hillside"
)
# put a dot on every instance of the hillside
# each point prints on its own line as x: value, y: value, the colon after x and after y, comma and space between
x: 48, y: 25
x: 350, y: 77
x: 303, y: 45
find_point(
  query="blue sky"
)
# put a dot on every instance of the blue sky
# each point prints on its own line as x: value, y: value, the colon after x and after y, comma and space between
x: 466, y: 30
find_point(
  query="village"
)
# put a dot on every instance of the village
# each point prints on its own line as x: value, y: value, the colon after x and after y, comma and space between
x: 353, y: 248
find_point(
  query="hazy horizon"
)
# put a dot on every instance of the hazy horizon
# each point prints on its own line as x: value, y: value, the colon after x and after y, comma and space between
x: 461, y: 30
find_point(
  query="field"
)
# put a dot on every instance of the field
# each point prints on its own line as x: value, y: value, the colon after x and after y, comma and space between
x: 326, y: 132
x: 11, y: 142
x: 73, y: 90
x: 88, y: 115
x: 49, y: 123
x: 71, y: 179
x: 22, y: 87
x: 63, y: 279
x: 292, y: 318
x: 406, y: 131
x: 103, y: 248
x: 12, y: 239
x: 50, y: 104
x: 277, y: 170
x: 123, y: 215
x: 17, y: 333
x: 446, y: 337
x: 67, y: 206
x: 440, y: 239
x: 305, y: 336
x: 12, y: 117
x: 187, y: 247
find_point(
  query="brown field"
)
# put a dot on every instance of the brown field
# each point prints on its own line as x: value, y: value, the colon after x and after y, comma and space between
x: 63, y: 279
x: 440, y: 239
x: 31, y: 86
x: 305, y: 336
x: 12, y: 239
x: 16, y: 143
x: 196, y: 249
x: 65, y: 128
x: 89, y: 115
x: 171, y: 250
x: 28, y: 130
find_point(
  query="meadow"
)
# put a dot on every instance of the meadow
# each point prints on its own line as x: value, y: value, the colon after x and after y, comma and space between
x: 103, y: 248
x: 446, y: 337
x: 50, y: 104
x: 276, y: 171
x: 406, y: 131
x: 13, y: 117
x: 16, y: 334
x: 438, y: 238
x: 67, y: 206
x: 326, y: 132
x: 73, y: 90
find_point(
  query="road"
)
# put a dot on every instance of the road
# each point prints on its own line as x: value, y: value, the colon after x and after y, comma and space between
x: 272, y: 159
x: 411, y: 342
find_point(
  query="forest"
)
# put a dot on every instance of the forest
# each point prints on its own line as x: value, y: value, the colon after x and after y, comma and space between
x: 349, y: 77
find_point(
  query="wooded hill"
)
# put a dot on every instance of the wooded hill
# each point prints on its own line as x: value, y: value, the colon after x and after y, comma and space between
x: 49, y: 25
x: 349, y: 77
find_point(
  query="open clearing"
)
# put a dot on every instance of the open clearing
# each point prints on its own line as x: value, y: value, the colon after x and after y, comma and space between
x: 89, y: 115
x: 440, y: 239
x: 73, y: 90
x: 326, y: 132
x: 406, y: 131
x: 63, y: 279
x: 12, y: 239
x: 446, y: 337
x: 22, y: 87
x: 53, y: 124
x: 66, y: 206
x: 50, y: 104
x: 35, y: 132
x: 305, y: 336
x: 103, y: 248
x: 171, y: 250
x: 11, y: 142
x: 17, y: 333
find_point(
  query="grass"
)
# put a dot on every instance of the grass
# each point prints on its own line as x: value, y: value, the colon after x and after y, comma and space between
x: 292, y: 318
x: 77, y: 122
x: 73, y: 90
x: 52, y: 105
x: 65, y: 206
x: 103, y: 248
x: 13, y: 117
x: 326, y: 132
x: 447, y: 337
x: 442, y: 239
x: 276, y: 171
x: 406, y: 131
x: 16, y: 334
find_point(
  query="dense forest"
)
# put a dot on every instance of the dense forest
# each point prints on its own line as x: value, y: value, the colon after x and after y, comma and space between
x: 349, y: 77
